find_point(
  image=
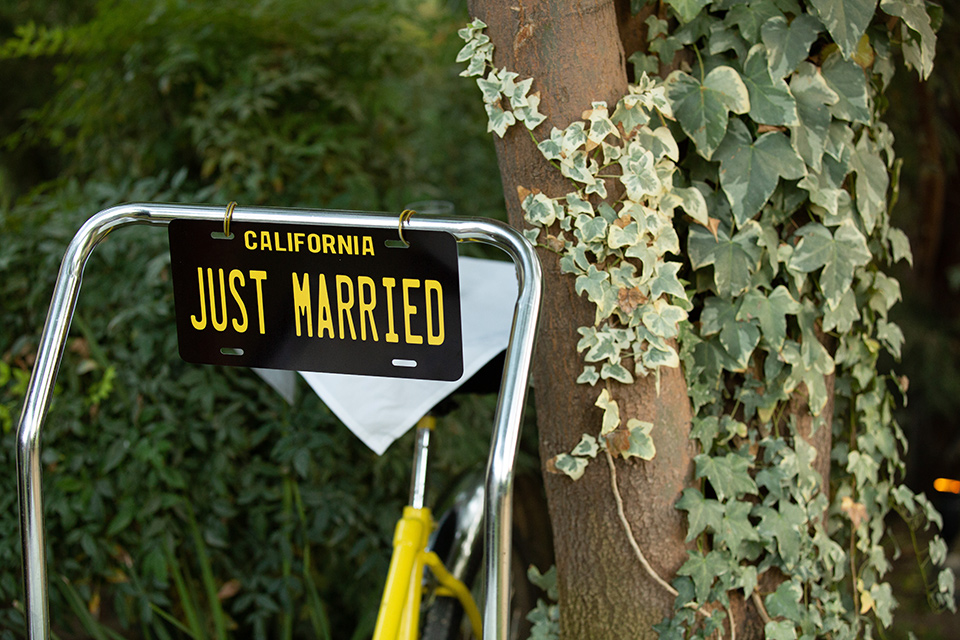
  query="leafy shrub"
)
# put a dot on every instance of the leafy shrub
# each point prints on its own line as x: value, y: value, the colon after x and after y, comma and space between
x: 177, y: 493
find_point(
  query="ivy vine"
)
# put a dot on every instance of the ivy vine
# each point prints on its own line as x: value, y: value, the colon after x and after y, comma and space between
x: 748, y: 247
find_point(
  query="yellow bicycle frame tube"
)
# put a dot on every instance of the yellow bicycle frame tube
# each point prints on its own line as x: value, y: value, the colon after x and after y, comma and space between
x: 399, y: 614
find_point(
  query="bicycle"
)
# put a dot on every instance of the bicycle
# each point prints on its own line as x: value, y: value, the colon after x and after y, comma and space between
x: 497, y: 497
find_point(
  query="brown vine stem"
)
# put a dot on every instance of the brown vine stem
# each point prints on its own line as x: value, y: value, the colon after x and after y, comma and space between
x: 762, y: 610
x: 639, y: 552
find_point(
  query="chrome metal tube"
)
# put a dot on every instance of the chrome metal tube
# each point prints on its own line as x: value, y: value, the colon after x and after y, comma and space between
x: 418, y: 480
x: 509, y: 409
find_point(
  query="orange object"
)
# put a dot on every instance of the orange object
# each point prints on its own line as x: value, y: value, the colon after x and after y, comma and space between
x: 946, y: 485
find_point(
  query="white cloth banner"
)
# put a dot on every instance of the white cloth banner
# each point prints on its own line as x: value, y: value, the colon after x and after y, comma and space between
x: 380, y: 410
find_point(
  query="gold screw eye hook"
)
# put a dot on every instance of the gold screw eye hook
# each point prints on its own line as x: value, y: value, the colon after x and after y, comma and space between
x: 405, y: 215
x: 227, y: 216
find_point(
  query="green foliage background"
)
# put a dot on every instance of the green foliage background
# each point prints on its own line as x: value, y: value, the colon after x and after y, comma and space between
x: 339, y: 104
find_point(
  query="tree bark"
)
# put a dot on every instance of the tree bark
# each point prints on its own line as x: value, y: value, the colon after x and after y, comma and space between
x: 574, y: 53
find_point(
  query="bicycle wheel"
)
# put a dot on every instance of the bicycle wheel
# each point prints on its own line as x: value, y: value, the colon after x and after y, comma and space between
x: 458, y: 541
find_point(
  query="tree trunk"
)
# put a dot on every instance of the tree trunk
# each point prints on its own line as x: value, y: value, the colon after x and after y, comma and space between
x: 574, y: 53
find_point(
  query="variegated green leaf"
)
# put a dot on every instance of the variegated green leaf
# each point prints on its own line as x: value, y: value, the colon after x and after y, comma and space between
x: 750, y: 170
x: 917, y: 20
x: 771, y: 312
x: 572, y: 466
x: 702, y: 513
x: 611, y: 412
x: 734, y: 259
x: 750, y: 16
x: 586, y: 447
x: 849, y: 82
x: 788, y: 44
x: 814, y: 97
x: 663, y: 319
x: 703, y: 109
x: 770, y: 100
x: 838, y: 253
x: 641, y: 444
x: 687, y: 10
x: 845, y: 20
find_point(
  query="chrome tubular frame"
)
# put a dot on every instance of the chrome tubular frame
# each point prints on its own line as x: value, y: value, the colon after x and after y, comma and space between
x: 506, y: 434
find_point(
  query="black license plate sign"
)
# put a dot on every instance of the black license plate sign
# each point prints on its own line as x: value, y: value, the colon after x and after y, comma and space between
x: 317, y: 298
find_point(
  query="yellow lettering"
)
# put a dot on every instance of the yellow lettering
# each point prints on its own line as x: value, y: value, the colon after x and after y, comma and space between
x: 239, y: 327
x: 276, y: 241
x: 391, y: 335
x: 328, y: 243
x: 265, y: 244
x: 301, y: 302
x: 250, y: 240
x: 259, y: 276
x: 324, y: 316
x: 297, y: 241
x: 221, y: 324
x: 409, y: 310
x: 200, y: 324
x: 429, y: 286
x: 344, y: 245
x: 356, y: 247
x: 313, y: 243
x: 366, y: 306
x: 367, y: 245
x: 344, y: 305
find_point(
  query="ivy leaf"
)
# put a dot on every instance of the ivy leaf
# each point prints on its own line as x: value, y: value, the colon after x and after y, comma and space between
x: 780, y: 630
x: 641, y: 444
x: 589, y: 376
x: 703, y: 570
x: 785, y: 526
x: 703, y: 109
x: 735, y: 527
x: 785, y: 601
x: 891, y: 336
x: 687, y: 10
x: 750, y: 16
x: 728, y: 475
x: 586, y: 447
x: 734, y: 259
x: 540, y: 210
x: 770, y: 100
x: 883, y: 602
x: 663, y: 319
x: 702, y: 513
x: 499, y: 120
x: 593, y: 283
x: 872, y: 182
x: 666, y: 281
x: 814, y: 97
x: 551, y: 147
x: 838, y: 253
x: 771, y: 311
x: 690, y: 200
x: 655, y: 357
x: 739, y: 339
x: 846, y: 20
x: 914, y: 14
x: 844, y: 315
x: 659, y: 142
x: 639, y: 174
x: 570, y: 465
x: 849, y: 82
x: 750, y: 170
x: 616, y: 371
x: 629, y: 115
x: 789, y: 44
x: 900, y: 245
x: 611, y: 412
